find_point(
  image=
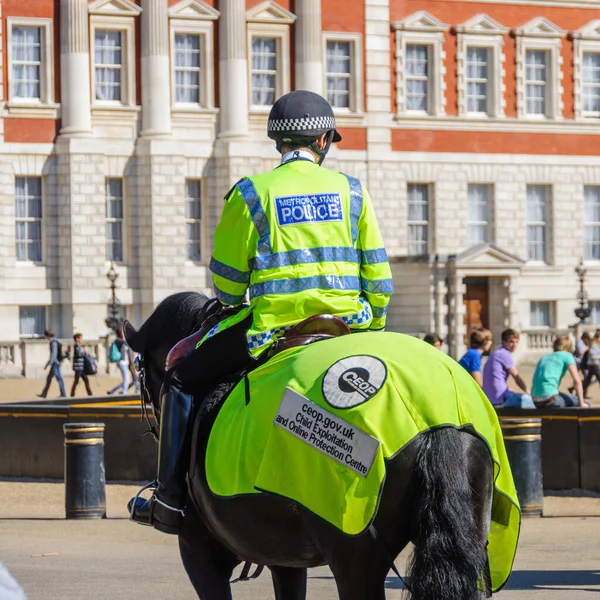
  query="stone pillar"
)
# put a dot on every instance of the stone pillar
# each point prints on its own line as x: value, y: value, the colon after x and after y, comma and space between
x: 75, y: 67
x: 233, y: 69
x: 309, y: 55
x: 156, y: 85
x: 455, y: 311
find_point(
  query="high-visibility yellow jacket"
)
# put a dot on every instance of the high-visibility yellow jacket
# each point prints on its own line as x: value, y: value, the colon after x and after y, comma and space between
x: 301, y: 240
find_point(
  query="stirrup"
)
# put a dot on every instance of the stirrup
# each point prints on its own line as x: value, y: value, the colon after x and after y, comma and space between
x: 133, y: 502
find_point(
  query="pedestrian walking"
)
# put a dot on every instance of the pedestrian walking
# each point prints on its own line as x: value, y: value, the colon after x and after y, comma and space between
x: 79, y: 361
x: 593, y: 363
x: 119, y: 354
x: 56, y: 356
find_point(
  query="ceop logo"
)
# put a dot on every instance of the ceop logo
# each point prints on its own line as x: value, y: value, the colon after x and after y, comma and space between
x: 357, y: 379
x: 353, y: 380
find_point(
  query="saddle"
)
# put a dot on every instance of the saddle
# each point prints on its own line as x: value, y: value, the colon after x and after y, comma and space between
x: 313, y: 329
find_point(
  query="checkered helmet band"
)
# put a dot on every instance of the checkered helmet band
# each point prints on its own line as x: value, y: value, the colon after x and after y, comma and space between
x: 308, y: 124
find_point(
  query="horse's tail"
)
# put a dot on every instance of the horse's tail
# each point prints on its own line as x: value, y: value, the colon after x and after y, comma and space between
x: 448, y: 560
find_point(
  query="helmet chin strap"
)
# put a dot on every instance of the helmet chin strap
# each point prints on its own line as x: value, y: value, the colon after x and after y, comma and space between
x: 322, y: 152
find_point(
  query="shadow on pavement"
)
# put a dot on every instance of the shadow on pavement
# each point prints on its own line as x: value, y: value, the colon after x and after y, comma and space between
x: 539, y: 580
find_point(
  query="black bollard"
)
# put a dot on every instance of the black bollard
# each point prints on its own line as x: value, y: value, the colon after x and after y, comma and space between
x: 85, y: 480
x: 523, y: 441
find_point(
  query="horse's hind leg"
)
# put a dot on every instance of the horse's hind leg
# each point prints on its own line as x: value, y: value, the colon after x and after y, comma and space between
x: 207, y: 563
x: 289, y: 583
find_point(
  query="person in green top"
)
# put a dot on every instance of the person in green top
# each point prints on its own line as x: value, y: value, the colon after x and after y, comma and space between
x: 548, y: 374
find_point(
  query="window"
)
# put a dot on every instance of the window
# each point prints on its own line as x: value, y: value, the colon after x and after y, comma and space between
x: 26, y: 62
x: 268, y: 54
x: 32, y: 321
x: 114, y: 219
x: 264, y: 71
x: 188, y: 67
x: 591, y: 222
x: 338, y: 73
x: 193, y: 219
x: 28, y: 218
x: 109, y: 64
x: 417, y: 77
x: 30, y: 56
x: 420, y: 67
x: 478, y: 215
x: 541, y: 314
x: 112, y: 53
x: 536, y: 73
x: 594, y: 306
x: 192, y: 60
x: 480, y: 67
x: 539, y: 73
x: 418, y: 218
x: 477, y: 80
x: 537, y: 207
x: 591, y: 83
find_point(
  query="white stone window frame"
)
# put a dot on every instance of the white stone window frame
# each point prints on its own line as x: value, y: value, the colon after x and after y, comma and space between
x: 270, y: 20
x: 422, y: 29
x: 482, y: 32
x: 43, y: 107
x: 586, y: 39
x: 356, y: 70
x: 541, y: 34
x: 125, y: 25
x: 196, y: 18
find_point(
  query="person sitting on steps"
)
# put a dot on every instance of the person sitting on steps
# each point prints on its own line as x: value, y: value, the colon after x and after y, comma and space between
x: 300, y: 241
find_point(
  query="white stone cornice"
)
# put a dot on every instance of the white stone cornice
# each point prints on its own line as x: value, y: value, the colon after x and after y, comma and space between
x: 270, y: 12
x: 590, y: 31
x: 421, y: 21
x: 482, y: 24
x: 540, y: 27
x: 194, y: 9
x: 123, y: 8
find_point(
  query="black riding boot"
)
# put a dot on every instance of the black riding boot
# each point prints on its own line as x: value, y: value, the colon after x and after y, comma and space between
x: 164, y: 511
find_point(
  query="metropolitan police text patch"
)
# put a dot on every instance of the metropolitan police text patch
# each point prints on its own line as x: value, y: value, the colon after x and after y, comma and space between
x: 293, y: 210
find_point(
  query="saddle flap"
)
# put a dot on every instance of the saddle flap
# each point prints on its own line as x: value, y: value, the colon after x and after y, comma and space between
x: 183, y: 349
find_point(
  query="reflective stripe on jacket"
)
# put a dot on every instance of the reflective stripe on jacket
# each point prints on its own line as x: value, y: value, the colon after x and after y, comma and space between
x: 301, y: 240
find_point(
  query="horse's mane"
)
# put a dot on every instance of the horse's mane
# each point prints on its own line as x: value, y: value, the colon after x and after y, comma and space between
x: 173, y: 319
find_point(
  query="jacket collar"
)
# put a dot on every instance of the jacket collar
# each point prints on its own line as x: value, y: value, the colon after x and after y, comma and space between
x: 297, y: 155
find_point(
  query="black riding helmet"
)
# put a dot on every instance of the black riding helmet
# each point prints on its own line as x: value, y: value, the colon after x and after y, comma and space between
x: 301, y: 117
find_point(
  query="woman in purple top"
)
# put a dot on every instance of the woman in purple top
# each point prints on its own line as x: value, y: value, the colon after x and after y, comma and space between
x: 499, y: 366
x: 481, y: 341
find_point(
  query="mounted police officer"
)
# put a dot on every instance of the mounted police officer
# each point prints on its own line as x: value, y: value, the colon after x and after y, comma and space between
x: 299, y: 241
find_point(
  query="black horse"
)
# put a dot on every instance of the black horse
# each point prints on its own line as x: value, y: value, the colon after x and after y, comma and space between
x: 437, y: 494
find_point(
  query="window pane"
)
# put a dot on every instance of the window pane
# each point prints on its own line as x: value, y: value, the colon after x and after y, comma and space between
x: 541, y: 314
x: 108, y: 68
x: 478, y: 213
x: 417, y: 77
x: 28, y: 218
x: 338, y: 72
x: 188, y: 64
x: 114, y: 218
x: 536, y: 213
x: 477, y: 79
x: 26, y: 62
x: 418, y: 218
x: 591, y: 82
x: 32, y: 321
x: 264, y: 73
x: 193, y: 213
x: 591, y: 222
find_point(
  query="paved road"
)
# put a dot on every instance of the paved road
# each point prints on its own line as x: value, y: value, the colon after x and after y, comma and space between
x: 113, y: 559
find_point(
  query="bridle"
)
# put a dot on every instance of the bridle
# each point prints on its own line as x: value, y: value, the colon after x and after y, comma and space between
x: 146, y: 399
